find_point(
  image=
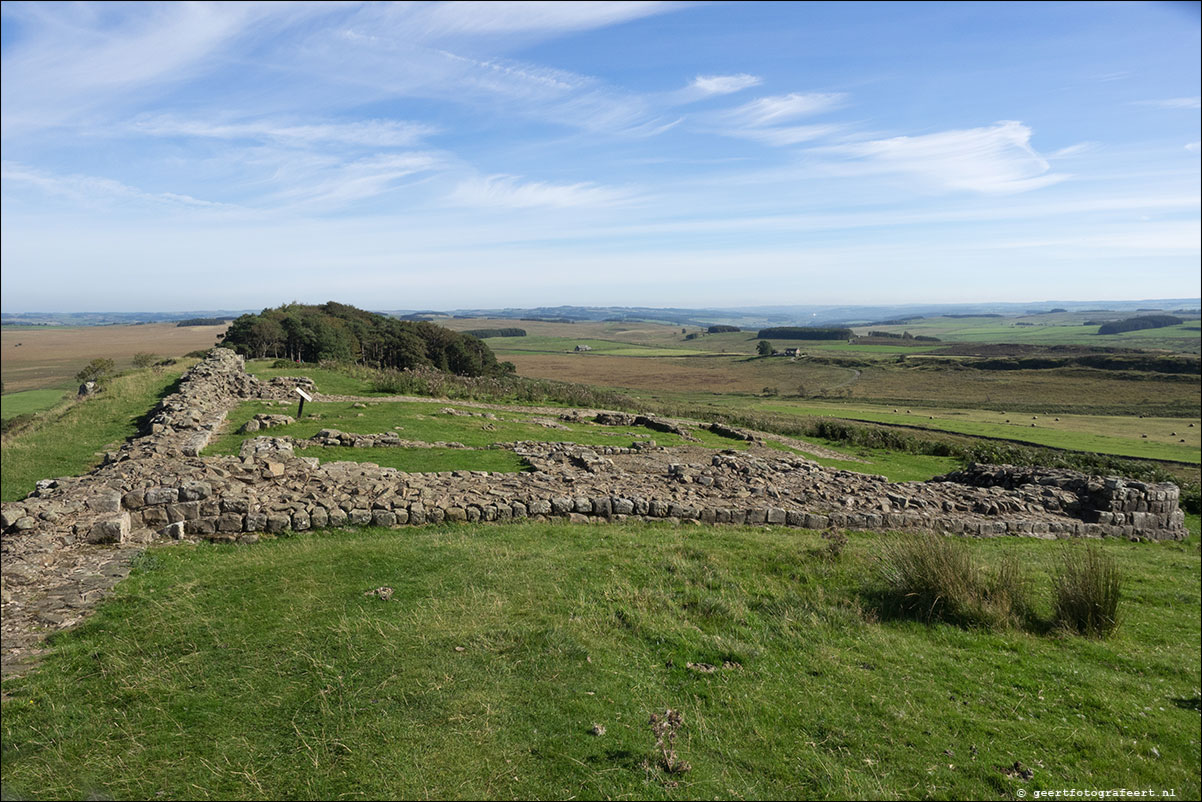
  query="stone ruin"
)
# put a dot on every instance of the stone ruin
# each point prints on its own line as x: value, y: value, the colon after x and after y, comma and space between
x: 159, y: 487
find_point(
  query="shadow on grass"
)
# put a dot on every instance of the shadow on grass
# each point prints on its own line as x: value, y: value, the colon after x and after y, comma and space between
x: 142, y: 422
x: 1192, y: 703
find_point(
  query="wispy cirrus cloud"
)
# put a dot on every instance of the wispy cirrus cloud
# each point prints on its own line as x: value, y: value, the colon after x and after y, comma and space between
x: 998, y: 159
x: 507, y: 191
x: 771, y: 110
x: 90, y: 190
x: 761, y: 119
x: 325, y: 184
x: 491, y: 18
x: 783, y: 135
x: 365, y: 133
x: 74, y: 59
x: 707, y: 85
x: 1188, y: 103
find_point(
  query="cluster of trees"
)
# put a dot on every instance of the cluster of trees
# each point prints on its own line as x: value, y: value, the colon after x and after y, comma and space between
x: 1141, y: 322
x: 344, y: 333
x: 905, y: 335
x: 804, y: 333
x: 482, y: 333
x: 722, y: 329
x: 202, y: 321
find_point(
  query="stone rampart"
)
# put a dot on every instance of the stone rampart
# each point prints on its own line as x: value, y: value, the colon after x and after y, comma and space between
x: 158, y: 486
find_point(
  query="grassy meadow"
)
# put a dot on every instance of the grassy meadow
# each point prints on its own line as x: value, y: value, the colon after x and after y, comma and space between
x: 524, y: 661
x: 29, y: 402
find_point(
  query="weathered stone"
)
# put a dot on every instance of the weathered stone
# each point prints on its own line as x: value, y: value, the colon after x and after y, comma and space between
x: 195, y: 491
x: 114, y: 529
x: 278, y: 522
x: 229, y: 522
x: 161, y: 495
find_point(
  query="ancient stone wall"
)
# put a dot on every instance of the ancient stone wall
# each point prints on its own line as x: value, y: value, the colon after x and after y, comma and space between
x: 158, y: 486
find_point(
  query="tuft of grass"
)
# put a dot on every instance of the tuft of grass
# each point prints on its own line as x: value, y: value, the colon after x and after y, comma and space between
x: 1087, y: 589
x: 935, y: 578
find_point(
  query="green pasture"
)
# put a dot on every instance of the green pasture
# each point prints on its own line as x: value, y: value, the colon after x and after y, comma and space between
x: 329, y: 381
x: 1184, y: 337
x: 28, y: 402
x: 559, y: 345
x: 524, y: 662
x: 1102, y: 434
x: 427, y: 423
x: 1080, y: 433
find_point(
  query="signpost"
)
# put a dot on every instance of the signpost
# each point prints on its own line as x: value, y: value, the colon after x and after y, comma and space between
x: 300, y: 408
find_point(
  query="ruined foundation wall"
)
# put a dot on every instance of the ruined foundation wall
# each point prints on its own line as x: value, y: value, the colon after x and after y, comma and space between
x: 158, y: 487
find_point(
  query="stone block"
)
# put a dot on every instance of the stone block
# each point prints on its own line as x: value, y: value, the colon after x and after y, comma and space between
x: 195, y: 491
x: 114, y: 529
x: 278, y: 522
x: 229, y: 522
x: 201, y: 526
x: 161, y: 495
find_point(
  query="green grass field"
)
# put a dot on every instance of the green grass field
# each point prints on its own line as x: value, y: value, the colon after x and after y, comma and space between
x: 557, y: 345
x: 1049, y: 330
x: 264, y: 672
x: 1098, y: 434
x: 29, y: 402
x: 426, y: 422
x: 73, y: 441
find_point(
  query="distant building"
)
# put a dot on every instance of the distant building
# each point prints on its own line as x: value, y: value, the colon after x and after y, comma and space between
x: 584, y: 348
x: 792, y: 351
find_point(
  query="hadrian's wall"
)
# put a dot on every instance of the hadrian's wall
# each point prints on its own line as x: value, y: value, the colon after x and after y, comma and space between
x: 158, y: 486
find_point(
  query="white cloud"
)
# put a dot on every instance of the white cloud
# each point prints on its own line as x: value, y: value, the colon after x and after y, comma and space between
x: 723, y: 84
x: 994, y: 160
x: 1194, y: 147
x: 770, y: 110
x: 509, y: 192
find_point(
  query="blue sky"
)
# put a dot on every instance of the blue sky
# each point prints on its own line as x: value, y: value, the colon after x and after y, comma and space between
x: 427, y: 155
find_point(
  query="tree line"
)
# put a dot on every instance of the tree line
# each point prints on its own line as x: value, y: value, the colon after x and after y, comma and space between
x: 483, y: 333
x: 804, y: 333
x: 1137, y: 323
x: 343, y: 333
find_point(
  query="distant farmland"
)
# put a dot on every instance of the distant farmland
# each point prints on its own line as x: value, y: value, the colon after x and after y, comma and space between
x: 42, y: 358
